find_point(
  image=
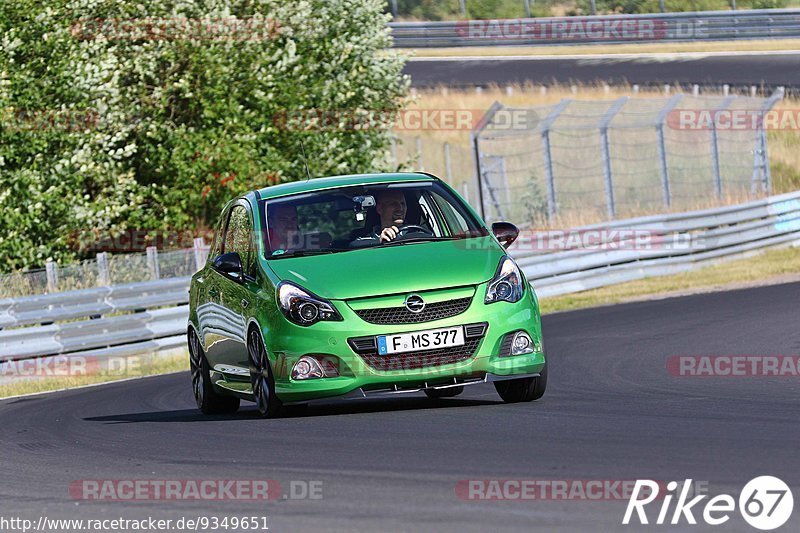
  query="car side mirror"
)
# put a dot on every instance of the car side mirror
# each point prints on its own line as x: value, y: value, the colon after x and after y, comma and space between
x: 230, y: 264
x: 506, y: 233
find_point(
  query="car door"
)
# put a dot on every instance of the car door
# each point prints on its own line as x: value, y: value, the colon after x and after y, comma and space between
x: 210, y: 310
x: 236, y: 293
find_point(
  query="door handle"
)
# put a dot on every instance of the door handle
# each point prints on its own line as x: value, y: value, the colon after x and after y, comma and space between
x: 245, y: 303
x: 213, y: 292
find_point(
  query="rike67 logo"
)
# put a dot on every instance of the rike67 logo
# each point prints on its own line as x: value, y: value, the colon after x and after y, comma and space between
x: 765, y: 503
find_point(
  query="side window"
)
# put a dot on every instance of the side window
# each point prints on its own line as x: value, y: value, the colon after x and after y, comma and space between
x: 237, y: 238
x: 216, y: 247
x: 454, y: 219
x: 428, y: 217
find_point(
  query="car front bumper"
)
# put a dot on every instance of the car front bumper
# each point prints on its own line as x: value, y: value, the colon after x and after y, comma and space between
x: 359, y: 379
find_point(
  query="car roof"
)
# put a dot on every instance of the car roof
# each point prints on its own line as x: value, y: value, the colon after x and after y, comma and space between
x: 316, y: 184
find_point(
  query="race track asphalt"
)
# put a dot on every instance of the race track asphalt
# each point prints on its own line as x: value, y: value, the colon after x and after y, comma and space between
x: 612, y: 412
x: 769, y: 70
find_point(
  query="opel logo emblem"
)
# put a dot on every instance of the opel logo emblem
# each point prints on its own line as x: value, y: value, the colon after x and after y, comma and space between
x: 414, y: 303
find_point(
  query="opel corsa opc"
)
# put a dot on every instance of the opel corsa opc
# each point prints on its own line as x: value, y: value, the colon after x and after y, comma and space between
x: 360, y: 286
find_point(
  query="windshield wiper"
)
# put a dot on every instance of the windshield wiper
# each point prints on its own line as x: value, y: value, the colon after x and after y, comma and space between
x: 304, y: 253
x: 418, y: 239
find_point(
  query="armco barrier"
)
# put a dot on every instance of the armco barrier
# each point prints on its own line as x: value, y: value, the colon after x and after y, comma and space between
x: 606, y: 29
x: 144, y: 317
x: 678, y: 242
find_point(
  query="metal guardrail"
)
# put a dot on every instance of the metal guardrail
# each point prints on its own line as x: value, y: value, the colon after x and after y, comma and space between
x: 89, y: 321
x: 123, y: 320
x: 601, y: 29
x: 659, y: 245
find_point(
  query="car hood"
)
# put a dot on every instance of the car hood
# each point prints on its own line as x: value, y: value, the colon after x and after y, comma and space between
x: 394, y: 269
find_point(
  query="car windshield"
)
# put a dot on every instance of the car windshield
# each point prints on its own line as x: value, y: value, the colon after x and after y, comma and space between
x: 356, y: 217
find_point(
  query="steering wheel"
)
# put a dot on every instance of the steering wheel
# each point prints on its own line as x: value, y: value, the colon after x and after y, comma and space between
x: 411, y: 228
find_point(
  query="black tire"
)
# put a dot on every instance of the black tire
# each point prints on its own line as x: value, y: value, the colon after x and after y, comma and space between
x: 523, y: 390
x: 261, y: 379
x: 208, y: 400
x: 443, y: 393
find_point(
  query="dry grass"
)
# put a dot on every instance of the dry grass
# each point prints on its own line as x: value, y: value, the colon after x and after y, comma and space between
x: 608, y: 49
x: 148, y: 365
x: 771, y: 266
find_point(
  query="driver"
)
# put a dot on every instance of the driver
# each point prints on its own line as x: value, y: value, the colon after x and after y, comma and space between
x: 390, y: 204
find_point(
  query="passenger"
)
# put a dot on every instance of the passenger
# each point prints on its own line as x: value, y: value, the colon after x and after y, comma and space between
x: 284, y: 233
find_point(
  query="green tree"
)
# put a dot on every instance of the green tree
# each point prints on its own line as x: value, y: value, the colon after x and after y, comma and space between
x: 125, y: 115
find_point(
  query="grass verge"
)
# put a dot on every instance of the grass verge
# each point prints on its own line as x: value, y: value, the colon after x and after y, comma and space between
x: 145, y: 366
x: 773, y: 266
x: 609, y: 49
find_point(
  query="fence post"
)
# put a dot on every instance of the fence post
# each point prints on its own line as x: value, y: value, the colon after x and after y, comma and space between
x: 51, y: 269
x: 200, y: 253
x: 394, y: 150
x: 152, y: 262
x: 448, y: 170
x: 420, y: 160
x: 103, y: 276
x: 608, y: 178
x: 761, y: 171
x: 662, y: 148
x: 715, y: 146
x: 475, y: 135
x: 496, y: 165
x: 544, y: 129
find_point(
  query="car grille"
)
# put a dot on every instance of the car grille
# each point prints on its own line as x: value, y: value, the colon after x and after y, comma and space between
x: 367, y: 348
x: 401, y: 315
x: 409, y: 361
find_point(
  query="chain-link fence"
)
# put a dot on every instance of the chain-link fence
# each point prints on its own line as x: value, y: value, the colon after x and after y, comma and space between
x: 579, y: 162
x: 106, y: 269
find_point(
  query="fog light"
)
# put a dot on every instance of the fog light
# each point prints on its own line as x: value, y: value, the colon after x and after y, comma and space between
x: 521, y: 344
x: 307, y: 368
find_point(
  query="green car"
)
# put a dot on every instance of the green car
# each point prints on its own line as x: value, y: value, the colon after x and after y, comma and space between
x: 360, y: 286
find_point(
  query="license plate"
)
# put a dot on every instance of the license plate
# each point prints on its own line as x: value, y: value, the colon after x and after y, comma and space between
x: 421, y: 340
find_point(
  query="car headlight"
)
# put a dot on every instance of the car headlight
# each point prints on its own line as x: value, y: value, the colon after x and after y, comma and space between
x: 303, y: 308
x: 507, y: 284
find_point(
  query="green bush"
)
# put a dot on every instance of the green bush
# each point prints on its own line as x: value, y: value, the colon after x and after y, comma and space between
x: 108, y: 128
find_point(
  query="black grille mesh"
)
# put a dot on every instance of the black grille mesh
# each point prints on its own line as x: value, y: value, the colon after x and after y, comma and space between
x: 407, y: 361
x: 401, y: 315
